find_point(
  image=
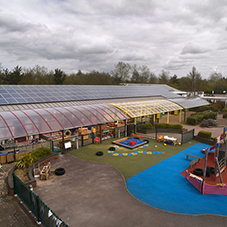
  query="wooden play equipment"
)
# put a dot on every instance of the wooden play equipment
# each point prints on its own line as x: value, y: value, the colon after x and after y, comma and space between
x: 84, y: 132
x: 45, y: 172
x: 218, y: 154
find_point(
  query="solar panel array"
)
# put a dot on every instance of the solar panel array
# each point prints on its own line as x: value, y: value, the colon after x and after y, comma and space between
x: 22, y: 94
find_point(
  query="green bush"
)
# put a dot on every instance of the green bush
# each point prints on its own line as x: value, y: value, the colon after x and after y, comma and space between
x: 209, y: 115
x: 205, y: 134
x: 212, y: 122
x: 224, y: 115
x: 32, y: 157
x: 208, y: 122
x: 216, y: 107
x: 197, y: 118
x: 170, y: 126
x: 224, y: 109
x: 147, y: 126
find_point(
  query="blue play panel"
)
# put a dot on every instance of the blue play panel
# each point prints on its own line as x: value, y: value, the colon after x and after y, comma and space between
x: 162, y: 186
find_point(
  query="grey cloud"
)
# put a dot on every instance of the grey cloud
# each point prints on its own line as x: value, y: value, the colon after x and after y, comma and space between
x: 173, y: 35
x: 194, y: 49
x: 9, y: 24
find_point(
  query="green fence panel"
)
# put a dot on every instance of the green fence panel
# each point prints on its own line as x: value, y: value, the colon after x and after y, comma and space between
x: 42, y: 212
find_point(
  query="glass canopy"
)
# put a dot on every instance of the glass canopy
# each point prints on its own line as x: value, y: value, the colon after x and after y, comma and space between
x: 14, y: 124
x: 144, y: 108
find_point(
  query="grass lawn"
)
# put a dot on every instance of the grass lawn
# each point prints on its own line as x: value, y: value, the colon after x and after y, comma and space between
x: 130, y: 165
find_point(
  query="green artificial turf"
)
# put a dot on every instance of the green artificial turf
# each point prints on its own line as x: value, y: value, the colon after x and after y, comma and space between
x: 130, y: 165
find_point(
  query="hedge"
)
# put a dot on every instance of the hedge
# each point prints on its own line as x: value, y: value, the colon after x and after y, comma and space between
x: 170, y: 126
x: 147, y: 126
x: 213, y: 107
x: 205, y: 134
x: 196, y: 118
x: 224, y: 115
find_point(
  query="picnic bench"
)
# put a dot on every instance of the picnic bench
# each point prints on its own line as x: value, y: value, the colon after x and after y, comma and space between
x: 194, y: 161
x: 192, y: 156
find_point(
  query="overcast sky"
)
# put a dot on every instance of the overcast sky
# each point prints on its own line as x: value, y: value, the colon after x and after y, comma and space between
x: 171, y: 35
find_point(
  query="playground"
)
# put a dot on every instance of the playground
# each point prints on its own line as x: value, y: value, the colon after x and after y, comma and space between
x: 89, y: 192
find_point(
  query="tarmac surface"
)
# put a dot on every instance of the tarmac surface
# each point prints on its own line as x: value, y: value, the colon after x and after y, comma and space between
x: 11, y: 212
x: 95, y: 194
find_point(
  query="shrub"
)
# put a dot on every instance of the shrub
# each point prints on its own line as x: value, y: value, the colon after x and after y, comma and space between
x: 212, y: 122
x: 170, y: 126
x: 196, y: 118
x: 30, y: 158
x: 209, y: 115
x: 204, y: 123
x: 224, y: 109
x: 147, y: 126
x: 208, y: 122
x: 205, y: 134
x: 224, y: 115
x: 216, y: 107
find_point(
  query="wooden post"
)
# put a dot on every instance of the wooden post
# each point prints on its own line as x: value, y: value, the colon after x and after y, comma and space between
x: 100, y: 128
x: 180, y: 116
x: 204, y: 172
x: 63, y: 142
x: 135, y: 125
x: 167, y: 117
x: 125, y: 127
x: 185, y: 114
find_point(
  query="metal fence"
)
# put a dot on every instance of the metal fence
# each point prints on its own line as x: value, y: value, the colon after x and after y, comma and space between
x: 41, y: 211
x: 186, y: 136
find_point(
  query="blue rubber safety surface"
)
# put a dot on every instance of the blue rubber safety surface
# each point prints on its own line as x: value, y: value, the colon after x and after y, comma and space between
x: 162, y: 186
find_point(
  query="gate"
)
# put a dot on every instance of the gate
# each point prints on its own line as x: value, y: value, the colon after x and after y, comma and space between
x: 186, y: 136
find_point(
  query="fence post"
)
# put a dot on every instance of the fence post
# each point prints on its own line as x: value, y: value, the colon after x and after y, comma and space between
x: 14, y: 185
x: 93, y: 138
x: 182, y: 139
x: 38, y: 209
x: 82, y: 140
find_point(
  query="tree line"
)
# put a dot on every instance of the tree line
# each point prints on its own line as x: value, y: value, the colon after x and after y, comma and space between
x: 122, y: 73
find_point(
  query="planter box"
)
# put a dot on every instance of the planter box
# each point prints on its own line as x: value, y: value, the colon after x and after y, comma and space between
x: 19, y: 154
x: 145, y: 131
x: 2, y: 158
x: 10, y: 157
x: 171, y: 130
x: 203, y: 140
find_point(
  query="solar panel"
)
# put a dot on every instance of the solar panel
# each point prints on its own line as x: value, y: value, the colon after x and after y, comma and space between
x: 22, y: 94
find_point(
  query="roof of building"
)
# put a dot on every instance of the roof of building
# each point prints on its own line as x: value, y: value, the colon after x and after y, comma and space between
x: 24, y: 94
x: 188, y: 103
x: 145, y: 108
x: 38, y: 121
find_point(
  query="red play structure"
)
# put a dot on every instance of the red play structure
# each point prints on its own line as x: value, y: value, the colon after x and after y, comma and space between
x: 210, y: 177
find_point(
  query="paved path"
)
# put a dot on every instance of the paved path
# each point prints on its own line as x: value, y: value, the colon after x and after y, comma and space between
x: 11, y: 213
x: 95, y: 194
